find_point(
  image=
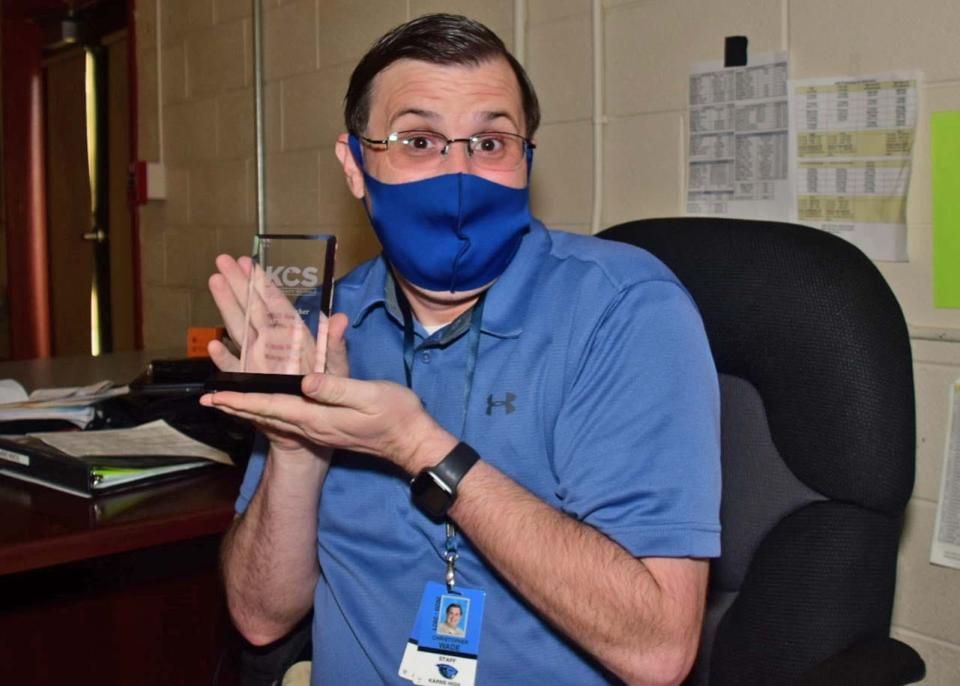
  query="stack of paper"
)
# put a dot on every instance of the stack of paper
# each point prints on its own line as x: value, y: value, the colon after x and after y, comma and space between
x: 74, y: 404
x: 90, y: 462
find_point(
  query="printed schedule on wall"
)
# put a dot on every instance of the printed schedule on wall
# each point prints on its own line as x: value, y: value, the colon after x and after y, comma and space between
x: 851, y: 146
x: 737, y: 140
x: 946, y: 532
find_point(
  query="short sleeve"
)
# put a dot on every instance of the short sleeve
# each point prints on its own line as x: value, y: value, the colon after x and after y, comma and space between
x: 637, y: 444
x: 251, y: 478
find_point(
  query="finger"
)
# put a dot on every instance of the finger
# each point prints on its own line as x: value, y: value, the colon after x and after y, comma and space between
x: 261, y: 316
x: 237, y: 279
x: 339, y: 391
x: 338, y: 363
x: 267, y: 305
x: 246, y: 265
x: 230, y: 310
x: 281, y: 406
x: 267, y: 424
x: 222, y: 357
x: 233, y: 294
x: 304, y: 345
x: 249, y: 285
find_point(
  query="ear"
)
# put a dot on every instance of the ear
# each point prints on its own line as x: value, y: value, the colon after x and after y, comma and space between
x: 351, y: 170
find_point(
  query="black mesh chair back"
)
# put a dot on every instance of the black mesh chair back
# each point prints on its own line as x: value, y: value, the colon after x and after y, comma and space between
x: 818, y: 444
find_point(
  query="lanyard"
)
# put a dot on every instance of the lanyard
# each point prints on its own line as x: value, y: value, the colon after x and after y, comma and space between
x: 472, y: 353
x: 450, y: 553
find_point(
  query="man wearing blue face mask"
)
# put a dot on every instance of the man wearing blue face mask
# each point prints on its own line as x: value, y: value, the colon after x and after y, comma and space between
x: 528, y: 422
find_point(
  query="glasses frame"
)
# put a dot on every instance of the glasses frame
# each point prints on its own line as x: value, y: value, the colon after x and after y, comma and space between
x: 470, y: 141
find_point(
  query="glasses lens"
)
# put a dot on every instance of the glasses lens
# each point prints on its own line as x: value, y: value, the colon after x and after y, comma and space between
x: 497, y: 151
x: 424, y: 150
x: 417, y: 148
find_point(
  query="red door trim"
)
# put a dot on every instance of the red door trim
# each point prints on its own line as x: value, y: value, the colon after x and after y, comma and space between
x: 25, y: 211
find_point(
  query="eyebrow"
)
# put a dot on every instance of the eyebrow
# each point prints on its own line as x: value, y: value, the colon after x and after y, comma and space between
x: 430, y: 115
x: 426, y: 114
x: 496, y: 114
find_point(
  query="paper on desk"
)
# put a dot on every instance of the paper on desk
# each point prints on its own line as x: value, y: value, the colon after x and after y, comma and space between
x: 155, y: 438
x: 738, y: 160
x: 75, y: 405
x: 95, y: 391
x: 946, y: 532
x: 80, y: 415
x: 850, y: 149
x: 11, y: 391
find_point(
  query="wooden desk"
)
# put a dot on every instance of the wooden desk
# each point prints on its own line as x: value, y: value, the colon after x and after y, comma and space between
x: 133, y: 597
x: 122, y: 589
x: 79, y: 370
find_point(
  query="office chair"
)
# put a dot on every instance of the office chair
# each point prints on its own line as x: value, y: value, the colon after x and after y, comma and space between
x: 818, y: 441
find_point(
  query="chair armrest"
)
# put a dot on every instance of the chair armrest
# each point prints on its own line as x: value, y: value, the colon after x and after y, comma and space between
x: 266, y: 665
x: 881, y: 662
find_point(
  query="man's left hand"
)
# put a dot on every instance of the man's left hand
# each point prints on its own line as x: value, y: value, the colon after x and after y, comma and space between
x: 375, y: 417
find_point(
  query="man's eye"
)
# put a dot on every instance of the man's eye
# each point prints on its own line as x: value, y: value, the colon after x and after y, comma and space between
x: 420, y: 142
x: 489, y: 145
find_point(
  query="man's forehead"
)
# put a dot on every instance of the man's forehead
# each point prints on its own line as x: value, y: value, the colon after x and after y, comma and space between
x: 485, y: 90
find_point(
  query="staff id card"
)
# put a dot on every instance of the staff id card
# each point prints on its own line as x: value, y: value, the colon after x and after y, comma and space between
x: 445, y: 641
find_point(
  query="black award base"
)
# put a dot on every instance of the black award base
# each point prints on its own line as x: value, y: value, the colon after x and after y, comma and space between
x: 247, y: 382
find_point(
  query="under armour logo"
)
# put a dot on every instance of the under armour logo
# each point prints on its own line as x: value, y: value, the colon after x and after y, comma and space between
x: 506, y: 404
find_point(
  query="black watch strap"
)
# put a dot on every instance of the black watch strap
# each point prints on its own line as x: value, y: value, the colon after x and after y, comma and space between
x: 455, y: 465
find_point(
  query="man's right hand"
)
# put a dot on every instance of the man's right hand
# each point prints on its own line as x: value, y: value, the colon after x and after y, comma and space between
x: 230, y: 287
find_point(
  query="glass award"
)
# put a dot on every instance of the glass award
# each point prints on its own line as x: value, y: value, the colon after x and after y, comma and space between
x: 289, y: 295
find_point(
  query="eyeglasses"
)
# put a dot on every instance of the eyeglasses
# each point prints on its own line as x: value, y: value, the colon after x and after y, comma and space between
x: 424, y: 150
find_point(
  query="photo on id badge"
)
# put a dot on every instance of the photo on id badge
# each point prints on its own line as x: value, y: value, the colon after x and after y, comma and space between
x: 454, y: 616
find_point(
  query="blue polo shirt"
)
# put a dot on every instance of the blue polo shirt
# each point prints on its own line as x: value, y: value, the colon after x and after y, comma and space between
x: 594, y: 389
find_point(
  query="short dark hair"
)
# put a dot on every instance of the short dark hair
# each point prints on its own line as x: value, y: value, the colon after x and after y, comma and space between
x: 451, y: 606
x: 440, y: 39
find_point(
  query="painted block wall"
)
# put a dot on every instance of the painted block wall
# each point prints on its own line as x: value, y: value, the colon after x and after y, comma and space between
x: 196, y: 114
x: 196, y: 110
x: 648, y: 47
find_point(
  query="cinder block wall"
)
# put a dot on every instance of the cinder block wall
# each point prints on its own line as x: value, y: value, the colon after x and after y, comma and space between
x: 648, y: 47
x: 196, y: 114
x: 203, y: 125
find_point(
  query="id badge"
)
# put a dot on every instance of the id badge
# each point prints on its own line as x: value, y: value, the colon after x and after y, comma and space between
x: 445, y: 643
x: 409, y: 662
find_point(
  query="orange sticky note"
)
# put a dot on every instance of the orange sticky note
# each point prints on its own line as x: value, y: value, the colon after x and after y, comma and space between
x: 199, y: 336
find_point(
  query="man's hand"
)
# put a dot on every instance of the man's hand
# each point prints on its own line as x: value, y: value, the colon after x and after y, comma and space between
x: 375, y: 417
x: 258, y: 315
x: 230, y: 288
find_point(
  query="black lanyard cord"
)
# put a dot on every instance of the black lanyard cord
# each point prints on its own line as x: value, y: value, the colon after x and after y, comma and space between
x: 476, y: 320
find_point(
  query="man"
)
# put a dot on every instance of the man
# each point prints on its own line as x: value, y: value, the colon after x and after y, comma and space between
x: 552, y: 397
x: 450, y: 625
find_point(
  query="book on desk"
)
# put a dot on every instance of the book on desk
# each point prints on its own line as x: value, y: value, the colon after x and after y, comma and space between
x: 88, y: 464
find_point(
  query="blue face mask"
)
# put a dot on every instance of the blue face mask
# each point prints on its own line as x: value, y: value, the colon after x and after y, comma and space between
x: 454, y: 232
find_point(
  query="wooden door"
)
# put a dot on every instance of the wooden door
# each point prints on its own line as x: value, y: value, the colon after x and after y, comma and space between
x: 69, y: 203
x: 89, y: 220
x: 120, y: 232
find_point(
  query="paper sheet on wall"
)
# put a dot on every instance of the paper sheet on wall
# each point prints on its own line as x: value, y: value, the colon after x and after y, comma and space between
x: 738, y: 157
x: 946, y: 532
x: 850, y: 150
x: 945, y: 158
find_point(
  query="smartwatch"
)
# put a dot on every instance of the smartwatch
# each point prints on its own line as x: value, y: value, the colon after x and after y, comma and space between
x: 434, y: 489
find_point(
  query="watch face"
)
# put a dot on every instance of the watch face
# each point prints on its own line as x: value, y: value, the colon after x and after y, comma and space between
x: 429, y: 494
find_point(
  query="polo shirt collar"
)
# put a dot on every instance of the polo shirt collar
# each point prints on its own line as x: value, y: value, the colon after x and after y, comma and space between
x: 505, y: 310
x: 373, y: 289
x: 507, y: 300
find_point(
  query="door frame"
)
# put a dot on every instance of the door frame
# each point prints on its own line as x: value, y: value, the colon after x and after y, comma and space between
x: 24, y: 178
